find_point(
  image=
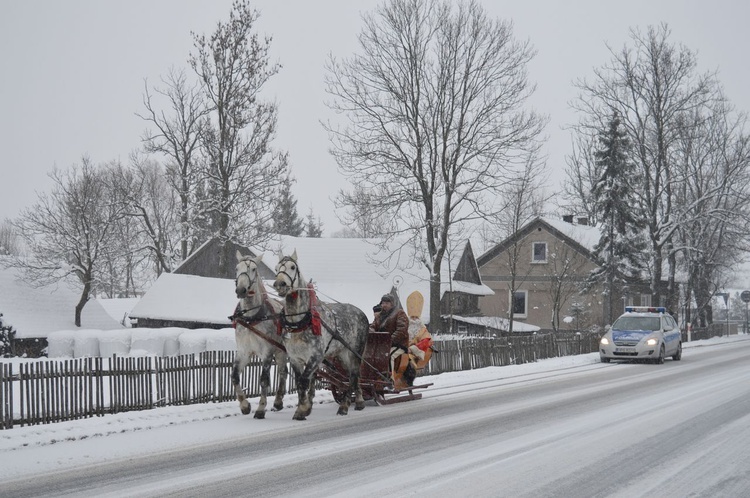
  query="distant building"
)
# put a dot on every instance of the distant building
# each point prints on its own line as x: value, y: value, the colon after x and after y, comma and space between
x: 34, y: 312
x: 552, y: 260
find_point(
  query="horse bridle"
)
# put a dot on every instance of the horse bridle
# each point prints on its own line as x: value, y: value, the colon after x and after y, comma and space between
x: 251, y: 281
x: 281, y: 264
x: 263, y: 308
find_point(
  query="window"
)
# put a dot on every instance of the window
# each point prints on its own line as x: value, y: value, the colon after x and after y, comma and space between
x: 645, y: 299
x: 539, y: 252
x: 520, y: 303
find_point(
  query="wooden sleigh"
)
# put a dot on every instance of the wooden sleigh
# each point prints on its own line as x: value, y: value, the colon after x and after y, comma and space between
x: 377, y: 381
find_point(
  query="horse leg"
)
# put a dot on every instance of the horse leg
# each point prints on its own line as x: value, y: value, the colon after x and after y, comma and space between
x: 344, y: 405
x: 240, y: 364
x: 311, y: 393
x: 303, y: 403
x: 359, y: 399
x: 265, y: 380
x: 305, y: 391
x: 283, y: 371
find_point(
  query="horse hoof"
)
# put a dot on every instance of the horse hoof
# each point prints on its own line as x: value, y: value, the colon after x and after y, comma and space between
x: 342, y: 411
x: 278, y: 406
x: 259, y: 414
x: 299, y: 416
x: 245, y: 409
x: 359, y: 406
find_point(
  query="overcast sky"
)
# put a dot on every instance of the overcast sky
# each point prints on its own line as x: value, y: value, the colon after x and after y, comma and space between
x: 72, y: 73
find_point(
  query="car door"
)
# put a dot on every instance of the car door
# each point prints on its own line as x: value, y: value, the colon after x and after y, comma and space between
x: 671, y: 335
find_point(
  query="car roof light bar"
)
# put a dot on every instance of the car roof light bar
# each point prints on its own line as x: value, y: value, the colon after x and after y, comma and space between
x: 645, y: 309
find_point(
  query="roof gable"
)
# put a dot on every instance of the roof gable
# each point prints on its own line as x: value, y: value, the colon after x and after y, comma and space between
x: 204, y: 261
x: 581, y: 238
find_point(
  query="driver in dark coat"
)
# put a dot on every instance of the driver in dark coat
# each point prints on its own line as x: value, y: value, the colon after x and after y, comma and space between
x: 392, y: 320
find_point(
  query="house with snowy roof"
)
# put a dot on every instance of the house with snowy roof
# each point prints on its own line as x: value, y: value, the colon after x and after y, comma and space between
x: 343, y: 270
x: 35, y: 312
x: 545, y: 263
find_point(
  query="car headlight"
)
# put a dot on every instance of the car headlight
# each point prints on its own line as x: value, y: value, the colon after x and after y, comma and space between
x: 604, y: 341
x: 652, y: 341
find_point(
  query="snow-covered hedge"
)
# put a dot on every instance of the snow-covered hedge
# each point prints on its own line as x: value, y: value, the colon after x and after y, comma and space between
x: 138, y: 342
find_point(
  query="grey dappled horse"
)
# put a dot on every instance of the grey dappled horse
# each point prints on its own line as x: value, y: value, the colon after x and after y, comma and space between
x: 339, y: 325
x: 256, y: 334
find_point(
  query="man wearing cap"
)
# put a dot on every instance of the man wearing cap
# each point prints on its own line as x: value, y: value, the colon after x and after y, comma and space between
x: 393, y: 320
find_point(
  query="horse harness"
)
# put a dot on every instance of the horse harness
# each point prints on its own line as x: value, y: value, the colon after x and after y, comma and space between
x: 260, y: 316
x: 310, y: 318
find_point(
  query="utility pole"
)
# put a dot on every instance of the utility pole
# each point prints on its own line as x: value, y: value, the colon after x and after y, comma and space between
x: 745, y: 296
x: 725, y: 295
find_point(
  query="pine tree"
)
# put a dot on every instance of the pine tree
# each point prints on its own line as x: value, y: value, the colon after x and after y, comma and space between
x: 286, y: 220
x: 314, y: 227
x: 620, y: 245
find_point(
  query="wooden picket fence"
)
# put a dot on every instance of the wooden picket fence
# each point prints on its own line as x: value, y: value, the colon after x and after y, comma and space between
x: 43, y: 392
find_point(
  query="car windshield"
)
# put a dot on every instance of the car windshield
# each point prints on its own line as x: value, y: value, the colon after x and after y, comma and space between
x: 637, y: 323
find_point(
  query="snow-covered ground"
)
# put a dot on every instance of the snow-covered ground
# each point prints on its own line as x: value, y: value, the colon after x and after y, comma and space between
x: 35, y: 450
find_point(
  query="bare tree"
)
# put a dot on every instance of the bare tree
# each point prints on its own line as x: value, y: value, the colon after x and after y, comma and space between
x: 154, y: 207
x: 69, y: 230
x: 9, y: 240
x: 566, y: 273
x: 650, y: 85
x: 362, y: 212
x: 176, y: 135
x: 242, y: 170
x: 434, y: 115
x: 581, y: 175
x: 714, y: 153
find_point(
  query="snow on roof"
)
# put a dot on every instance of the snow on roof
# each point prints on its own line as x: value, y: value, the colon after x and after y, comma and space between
x: 35, y: 312
x: 585, y: 235
x: 119, y: 308
x: 188, y: 298
x: 343, y: 270
x: 497, y: 322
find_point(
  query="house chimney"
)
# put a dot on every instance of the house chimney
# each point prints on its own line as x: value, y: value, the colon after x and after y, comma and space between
x: 583, y: 221
x: 568, y: 218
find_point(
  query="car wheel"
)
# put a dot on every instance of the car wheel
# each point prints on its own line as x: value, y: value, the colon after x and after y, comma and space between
x: 678, y: 354
x: 604, y: 360
x: 662, y: 354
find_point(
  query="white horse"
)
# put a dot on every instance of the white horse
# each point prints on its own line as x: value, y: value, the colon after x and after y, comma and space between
x: 314, y: 332
x: 256, y: 333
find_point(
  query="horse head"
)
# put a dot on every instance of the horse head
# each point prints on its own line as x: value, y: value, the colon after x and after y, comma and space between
x: 247, y: 281
x: 288, y: 276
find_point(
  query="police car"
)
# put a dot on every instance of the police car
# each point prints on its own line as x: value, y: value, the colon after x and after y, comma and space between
x: 642, y: 333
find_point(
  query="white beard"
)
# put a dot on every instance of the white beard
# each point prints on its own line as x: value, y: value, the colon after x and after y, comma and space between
x: 415, y: 325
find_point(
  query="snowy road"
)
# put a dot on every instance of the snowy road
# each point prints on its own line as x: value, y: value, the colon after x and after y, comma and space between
x: 572, y: 428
